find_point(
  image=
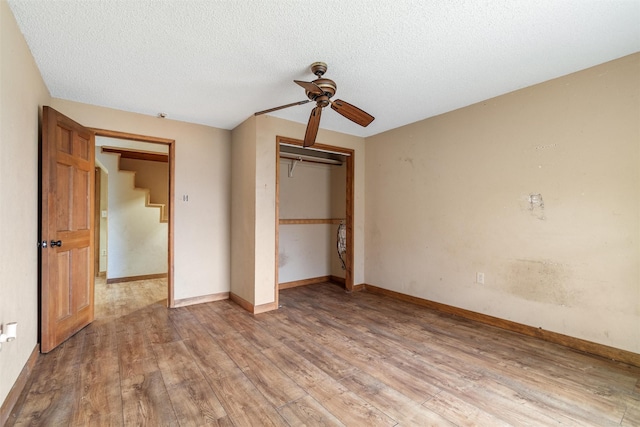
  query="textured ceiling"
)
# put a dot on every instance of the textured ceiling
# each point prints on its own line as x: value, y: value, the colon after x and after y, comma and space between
x: 217, y: 62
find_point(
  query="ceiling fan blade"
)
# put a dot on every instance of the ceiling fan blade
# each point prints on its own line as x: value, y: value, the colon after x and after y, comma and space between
x: 352, y: 112
x: 312, y: 127
x: 281, y: 107
x: 310, y: 87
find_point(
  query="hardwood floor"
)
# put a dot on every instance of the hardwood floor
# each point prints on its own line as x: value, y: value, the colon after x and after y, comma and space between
x: 325, y: 358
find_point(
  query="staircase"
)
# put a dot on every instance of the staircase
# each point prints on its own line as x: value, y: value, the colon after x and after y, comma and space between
x: 164, y: 215
x: 156, y: 197
x: 148, y: 199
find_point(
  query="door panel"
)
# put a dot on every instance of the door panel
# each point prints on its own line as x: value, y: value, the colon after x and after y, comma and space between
x: 64, y: 294
x: 80, y: 202
x: 81, y: 269
x: 67, y: 217
x: 63, y: 196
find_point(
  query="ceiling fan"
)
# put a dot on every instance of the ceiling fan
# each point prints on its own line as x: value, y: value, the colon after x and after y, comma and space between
x: 320, y: 91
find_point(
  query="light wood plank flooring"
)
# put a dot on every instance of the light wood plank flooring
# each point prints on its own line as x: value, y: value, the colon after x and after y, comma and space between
x: 325, y: 358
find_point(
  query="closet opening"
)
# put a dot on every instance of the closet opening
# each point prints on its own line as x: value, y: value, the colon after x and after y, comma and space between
x: 314, y: 214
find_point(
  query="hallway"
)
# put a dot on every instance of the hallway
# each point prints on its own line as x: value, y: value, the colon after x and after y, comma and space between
x: 116, y: 300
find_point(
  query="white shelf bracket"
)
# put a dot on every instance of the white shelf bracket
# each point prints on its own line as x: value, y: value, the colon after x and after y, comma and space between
x: 292, y: 166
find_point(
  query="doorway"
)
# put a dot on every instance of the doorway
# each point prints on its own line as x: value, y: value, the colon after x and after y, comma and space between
x: 333, y: 214
x: 164, y: 213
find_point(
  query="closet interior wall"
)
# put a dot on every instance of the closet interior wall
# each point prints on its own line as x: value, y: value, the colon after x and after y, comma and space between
x: 312, y: 204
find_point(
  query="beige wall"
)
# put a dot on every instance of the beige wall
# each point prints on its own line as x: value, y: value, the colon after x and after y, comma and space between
x: 243, y: 210
x: 306, y: 194
x: 202, y: 169
x: 448, y: 197
x: 305, y: 251
x: 22, y: 92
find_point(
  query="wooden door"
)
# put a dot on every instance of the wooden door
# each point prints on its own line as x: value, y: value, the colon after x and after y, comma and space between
x: 67, y: 240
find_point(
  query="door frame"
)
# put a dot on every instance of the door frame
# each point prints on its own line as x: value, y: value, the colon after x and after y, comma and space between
x: 96, y: 218
x: 350, y: 193
x: 171, y: 144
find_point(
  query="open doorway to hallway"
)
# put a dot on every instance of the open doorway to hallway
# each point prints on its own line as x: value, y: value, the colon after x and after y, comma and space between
x: 132, y: 224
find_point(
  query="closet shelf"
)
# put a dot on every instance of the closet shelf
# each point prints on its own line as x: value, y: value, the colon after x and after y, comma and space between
x: 311, y: 221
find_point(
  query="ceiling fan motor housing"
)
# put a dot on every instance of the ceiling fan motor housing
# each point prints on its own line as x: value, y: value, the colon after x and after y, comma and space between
x: 328, y: 87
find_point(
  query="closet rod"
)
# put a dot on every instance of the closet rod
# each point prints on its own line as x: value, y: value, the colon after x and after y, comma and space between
x: 318, y: 150
x: 304, y: 158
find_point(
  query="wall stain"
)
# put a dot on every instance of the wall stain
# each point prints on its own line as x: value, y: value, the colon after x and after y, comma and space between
x: 536, y: 206
x: 407, y: 160
x: 541, y: 281
x: 283, y: 259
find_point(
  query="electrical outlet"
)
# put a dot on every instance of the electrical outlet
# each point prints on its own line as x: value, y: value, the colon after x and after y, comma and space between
x: 480, y: 278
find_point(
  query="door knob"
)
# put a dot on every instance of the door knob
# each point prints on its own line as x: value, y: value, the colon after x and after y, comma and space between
x: 57, y: 243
